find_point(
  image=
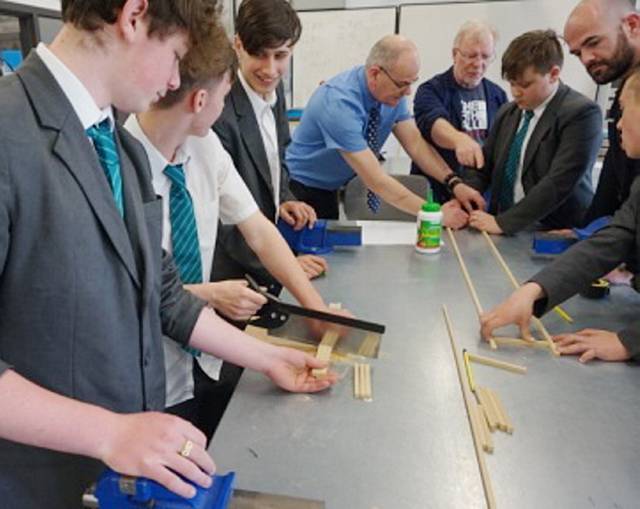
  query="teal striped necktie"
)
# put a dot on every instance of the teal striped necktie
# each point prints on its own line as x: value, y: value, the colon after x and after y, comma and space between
x: 105, y: 145
x: 184, y: 234
x: 511, y: 166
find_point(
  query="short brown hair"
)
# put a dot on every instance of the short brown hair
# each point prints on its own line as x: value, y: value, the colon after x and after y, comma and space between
x: 207, y: 61
x: 165, y: 16
x: 263, y: 24
x: 540, y: 49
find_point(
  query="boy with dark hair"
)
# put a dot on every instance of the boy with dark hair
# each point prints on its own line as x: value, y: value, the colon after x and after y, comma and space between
x: 575, y: 269
x: 542, y: 146
x: 254, y: 129
x: 199, y: 186
x: 85, y: 289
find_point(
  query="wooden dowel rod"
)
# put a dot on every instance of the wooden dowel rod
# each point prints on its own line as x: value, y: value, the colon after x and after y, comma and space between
x: 475, y: 433
x: 495, y: 363
x: 467, y: 279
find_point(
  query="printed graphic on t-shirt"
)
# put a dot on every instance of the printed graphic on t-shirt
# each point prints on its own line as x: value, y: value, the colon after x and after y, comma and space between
x: 474, y: 119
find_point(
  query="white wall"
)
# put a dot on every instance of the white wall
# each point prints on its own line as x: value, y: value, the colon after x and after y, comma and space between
x: 44, y: 4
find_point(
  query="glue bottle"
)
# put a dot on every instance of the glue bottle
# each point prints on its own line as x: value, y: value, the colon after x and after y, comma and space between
x: 429, y: 226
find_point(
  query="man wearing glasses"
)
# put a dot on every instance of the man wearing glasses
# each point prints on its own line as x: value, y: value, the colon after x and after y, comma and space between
x: 349, y: 118
x: 455, y: 110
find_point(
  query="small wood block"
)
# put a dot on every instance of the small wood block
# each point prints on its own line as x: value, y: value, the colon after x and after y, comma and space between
x: 257, y: 332
x: 480, y: 423
x: 369, y: 345
x: 324, y: 354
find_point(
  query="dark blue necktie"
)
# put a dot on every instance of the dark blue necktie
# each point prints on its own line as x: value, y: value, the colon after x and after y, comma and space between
x: 184, y: 234
x: 513, y: 161
x: 371, y: 135
x: 105, y: 146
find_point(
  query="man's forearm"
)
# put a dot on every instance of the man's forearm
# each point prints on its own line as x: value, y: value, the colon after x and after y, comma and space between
x: 35, y: 416
x: 444, y: 134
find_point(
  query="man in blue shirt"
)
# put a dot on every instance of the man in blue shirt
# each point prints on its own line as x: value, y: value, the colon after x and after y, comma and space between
x: 346, y: 121
x: 455, y: 110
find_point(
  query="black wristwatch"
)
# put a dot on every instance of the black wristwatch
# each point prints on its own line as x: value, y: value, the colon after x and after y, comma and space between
x: 452, y: 180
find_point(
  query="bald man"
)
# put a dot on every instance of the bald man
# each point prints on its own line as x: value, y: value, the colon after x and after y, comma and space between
x: 349, y: 118
x: 605, y: 36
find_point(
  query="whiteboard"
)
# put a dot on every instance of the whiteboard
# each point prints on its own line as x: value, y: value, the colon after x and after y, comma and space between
x: 433, y: 27
x: 333, y: 41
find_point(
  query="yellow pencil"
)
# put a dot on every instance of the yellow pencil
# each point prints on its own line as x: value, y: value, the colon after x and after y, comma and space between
x: 563, y: 314
x: 467, y: 367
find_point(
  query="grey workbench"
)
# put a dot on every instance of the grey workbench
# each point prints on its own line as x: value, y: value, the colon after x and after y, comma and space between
x: 577, y: 427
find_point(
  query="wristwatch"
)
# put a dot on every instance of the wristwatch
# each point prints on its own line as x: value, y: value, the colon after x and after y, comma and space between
x: 452, y: 180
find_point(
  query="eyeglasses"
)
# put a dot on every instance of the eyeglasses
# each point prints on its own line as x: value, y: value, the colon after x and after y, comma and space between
x: 399, y: 84
x: 470, y: 57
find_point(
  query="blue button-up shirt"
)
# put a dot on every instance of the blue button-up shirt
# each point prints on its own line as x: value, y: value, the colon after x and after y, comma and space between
x: 336, y: 119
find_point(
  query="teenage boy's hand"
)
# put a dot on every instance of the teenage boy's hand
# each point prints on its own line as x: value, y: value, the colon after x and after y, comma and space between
x: 469, y: 197
x: 149, y: 444
x: 298, y: 214
x: 484, y: 222
x: 291, y: 370
x: 233, y: 298
x: 517, y: 309
x: 453, y: 216
x: 313, y: 265
x: 592, y: 344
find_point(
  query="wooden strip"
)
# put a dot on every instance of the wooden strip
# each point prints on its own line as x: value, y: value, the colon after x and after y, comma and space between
x: 475, y: 433
x: 368, y: 391
x: 495, y: 363
x: 357, y: 393
x: 538, y: 324
x: 504, y: 417
x: 369, y: 345
x: 487, y: 439
x: 489, y: 412
x: 467, y: 278
x: 520, y: 342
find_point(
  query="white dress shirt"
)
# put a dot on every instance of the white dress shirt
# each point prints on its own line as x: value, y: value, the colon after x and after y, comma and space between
x: 263, y: 110
x: 81, y: 100
x: 537, y: 114
x: 217, y: 192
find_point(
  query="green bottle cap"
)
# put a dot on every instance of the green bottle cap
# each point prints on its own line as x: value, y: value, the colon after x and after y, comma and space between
x: 431, y: 207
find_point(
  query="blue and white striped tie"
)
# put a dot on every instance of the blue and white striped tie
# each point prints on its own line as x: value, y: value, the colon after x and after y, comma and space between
x: 105, y: 145
x: 184, y: 234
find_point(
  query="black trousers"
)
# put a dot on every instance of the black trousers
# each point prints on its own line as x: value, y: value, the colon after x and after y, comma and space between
x: 210, y: 398
x: 324, y: 202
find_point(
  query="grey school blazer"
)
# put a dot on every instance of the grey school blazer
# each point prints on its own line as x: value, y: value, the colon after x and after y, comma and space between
x: 239, y: 133
x: 594, y: 257
x: 84, y: 295
x: 556, y: 173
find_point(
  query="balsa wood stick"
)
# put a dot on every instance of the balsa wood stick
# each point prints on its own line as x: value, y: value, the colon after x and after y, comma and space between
x: 504, y: 417
x: 475, y: 433
x: 520, y: 342
x: 467, y: 278
x: 495, y: 363
x: 489, y: 411
x: 536, y: 321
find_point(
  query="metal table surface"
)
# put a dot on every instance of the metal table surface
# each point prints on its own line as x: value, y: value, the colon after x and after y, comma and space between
x: 577, y: 436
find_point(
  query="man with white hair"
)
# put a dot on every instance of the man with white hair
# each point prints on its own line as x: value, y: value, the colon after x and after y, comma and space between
x: 349, y: 118
x: 454, y: 110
